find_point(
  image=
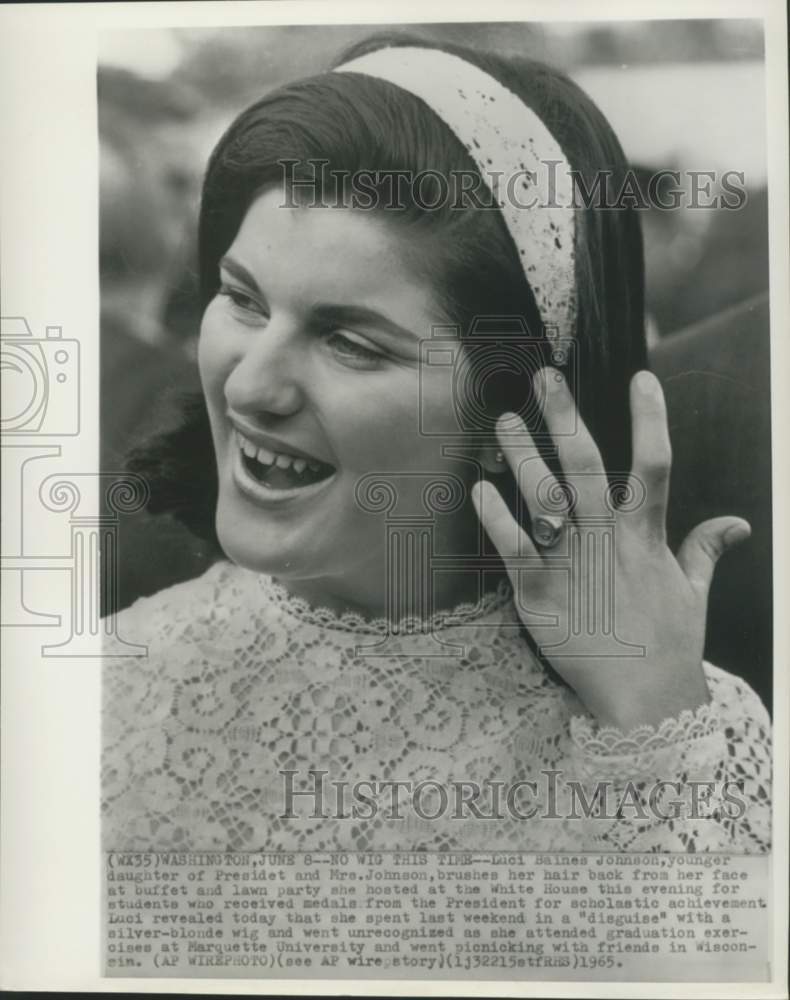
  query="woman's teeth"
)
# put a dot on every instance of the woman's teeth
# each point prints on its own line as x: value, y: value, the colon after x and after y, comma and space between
x: 269, y: 460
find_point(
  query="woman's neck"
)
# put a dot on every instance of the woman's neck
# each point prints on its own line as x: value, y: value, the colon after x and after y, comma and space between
x: 408, y: 596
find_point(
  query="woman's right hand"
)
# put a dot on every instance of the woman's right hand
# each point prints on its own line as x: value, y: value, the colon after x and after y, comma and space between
x: 618, y: 616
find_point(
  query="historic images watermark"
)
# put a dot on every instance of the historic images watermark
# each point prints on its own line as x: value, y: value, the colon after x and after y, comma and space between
x: 312, y: 184
x: 548, y: 795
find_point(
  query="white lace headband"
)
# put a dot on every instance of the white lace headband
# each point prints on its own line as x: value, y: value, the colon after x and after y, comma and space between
x: 512, y: 148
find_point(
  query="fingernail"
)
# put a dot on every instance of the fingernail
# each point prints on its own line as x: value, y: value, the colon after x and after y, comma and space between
x: 646, y: 382
x: 737, y: 533
x: 477, y: 491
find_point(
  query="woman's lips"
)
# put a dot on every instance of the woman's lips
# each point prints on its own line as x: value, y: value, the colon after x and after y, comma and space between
x: 267, y: 484
x: 270, y: 449
x: 282, y: 458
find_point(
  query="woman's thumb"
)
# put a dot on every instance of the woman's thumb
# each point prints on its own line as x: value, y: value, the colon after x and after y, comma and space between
x: 703, y: 546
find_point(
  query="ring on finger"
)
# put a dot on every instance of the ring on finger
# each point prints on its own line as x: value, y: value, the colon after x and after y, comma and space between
x: 547, y: 530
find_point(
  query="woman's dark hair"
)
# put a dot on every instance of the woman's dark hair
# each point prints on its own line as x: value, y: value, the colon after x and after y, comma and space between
x: 359, y: 123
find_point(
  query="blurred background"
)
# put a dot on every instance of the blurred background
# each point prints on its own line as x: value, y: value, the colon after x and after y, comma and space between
x: 681, y: 95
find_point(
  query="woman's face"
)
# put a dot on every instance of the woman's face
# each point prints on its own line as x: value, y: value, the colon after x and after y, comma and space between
x: 310, y: 363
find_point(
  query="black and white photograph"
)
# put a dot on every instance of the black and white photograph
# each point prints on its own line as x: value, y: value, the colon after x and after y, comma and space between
x: 425, y: 577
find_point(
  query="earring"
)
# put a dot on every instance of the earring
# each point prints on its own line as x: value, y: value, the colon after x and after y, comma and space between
x: 499, y: 458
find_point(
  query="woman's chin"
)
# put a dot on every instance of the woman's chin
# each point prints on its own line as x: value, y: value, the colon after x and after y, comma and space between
x: 258, y: 557
x: 266, y: 551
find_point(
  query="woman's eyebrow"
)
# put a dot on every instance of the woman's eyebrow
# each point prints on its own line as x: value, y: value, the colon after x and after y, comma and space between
x: 328, y: 313
x: 240, y: 273
x: 337, y: 314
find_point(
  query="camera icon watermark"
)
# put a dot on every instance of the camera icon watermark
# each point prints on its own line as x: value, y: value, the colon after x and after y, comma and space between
x: 40, y: 405
x: 499, y: 358
x: 498, y: 367
x: 40, y: 380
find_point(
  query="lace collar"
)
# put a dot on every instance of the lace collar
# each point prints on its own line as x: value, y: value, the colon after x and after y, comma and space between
x: 349, y: 621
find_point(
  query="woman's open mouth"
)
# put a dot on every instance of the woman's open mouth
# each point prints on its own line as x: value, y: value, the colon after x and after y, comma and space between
x: 269, y: 475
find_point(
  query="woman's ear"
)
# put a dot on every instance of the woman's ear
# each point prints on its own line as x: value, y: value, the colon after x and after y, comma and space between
x: 488, y: 451
x: 492, y: 459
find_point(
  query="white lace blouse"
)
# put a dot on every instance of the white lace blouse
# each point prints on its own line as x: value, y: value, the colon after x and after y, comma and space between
x: 243, y: 683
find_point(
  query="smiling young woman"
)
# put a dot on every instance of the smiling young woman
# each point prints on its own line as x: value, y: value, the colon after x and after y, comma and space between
x: 310, y: 356
x: 437, y: 474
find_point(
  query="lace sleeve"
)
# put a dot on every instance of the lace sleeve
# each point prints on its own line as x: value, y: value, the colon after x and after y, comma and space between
x: 698, y: 782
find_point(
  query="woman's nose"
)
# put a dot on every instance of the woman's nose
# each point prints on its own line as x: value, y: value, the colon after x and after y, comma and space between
x: 266, y: 378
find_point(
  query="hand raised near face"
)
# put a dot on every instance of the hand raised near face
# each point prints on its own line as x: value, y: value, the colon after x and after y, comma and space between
x: 616, y: 613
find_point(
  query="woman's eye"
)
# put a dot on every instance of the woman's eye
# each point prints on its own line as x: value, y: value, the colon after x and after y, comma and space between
x: 240, y: 300
x: 353, y: 352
